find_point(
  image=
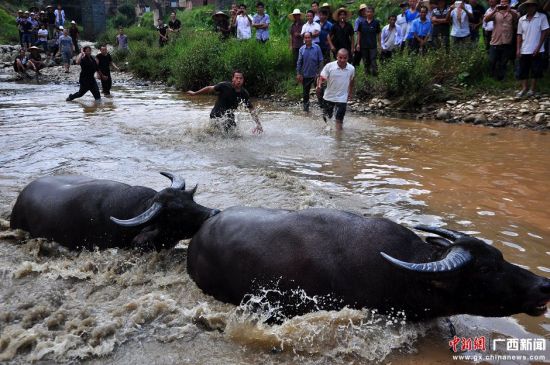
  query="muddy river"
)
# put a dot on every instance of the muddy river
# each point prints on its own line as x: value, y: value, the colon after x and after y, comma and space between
x: 126, y: 307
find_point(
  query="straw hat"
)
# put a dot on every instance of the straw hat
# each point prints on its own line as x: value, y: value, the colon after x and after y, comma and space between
x: 33, y: 47
x: 325, y: 5
x: 73, y: 22
x: 522, y: 6
x: 338, y: 11
x: 362, y: 7
x: 295, y: 12
x: 220, y: 14
x: 61, y: 27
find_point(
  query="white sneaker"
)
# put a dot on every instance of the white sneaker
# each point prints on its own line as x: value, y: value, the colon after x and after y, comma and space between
x: 520, y: 93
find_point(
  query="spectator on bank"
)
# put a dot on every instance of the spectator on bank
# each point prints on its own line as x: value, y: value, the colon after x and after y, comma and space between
x: 121, y: 40
x: 43, y: 18
x: 261, y: 21
x: 476, y: 21
x: 295, y: 33
x: 341, y: 35
x: 59, y: 16
x: 221, y: 24
x: 421, y: 30
x: 244, y: 23
x: 362, y: 16
x: 26, y: 28
x: 233, y: 18
x: 326, y: 6
x: 163, y: 33
x: 440, y: 25
x: 504, y: 20
x: 390, y: 39
x: 20, y: 63
x: 66, y: 49
x: 459, y: 16
x: 35, y: 60
x: 368, y: 41
x: 53, y: 43
x: 311, y: 27
x: 310, y: 62
x: 35, y: 26
x: 86, y: 80
x: 401, y: 21
x: 532, y: 31
x: 42, y: 38
x: 75, y: 35
x: 174, y: 25
x: 19, y: 21
x: 51, y: 20
x: 104, y: 62
x: 411, y: 14
x: 326, y: 27
x: 339, y: 76
x: 355, y: 58
x: 315, y: 9
x: 488, y: 26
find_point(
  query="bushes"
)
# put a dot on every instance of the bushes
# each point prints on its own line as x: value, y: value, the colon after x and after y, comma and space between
x: 8, y: 31
x: 412, y: 77
x: 125, y: 16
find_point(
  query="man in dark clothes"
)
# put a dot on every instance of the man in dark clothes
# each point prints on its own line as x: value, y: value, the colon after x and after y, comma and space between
x: 104, y: 62
x: 230, y: 95
x: 341, y: 34
x: 163, y: 33
x: 87, y: 80
x: 174, y: 24
x: 368, y: 40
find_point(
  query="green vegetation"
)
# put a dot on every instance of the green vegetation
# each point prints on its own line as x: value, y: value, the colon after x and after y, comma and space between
x: 8, y: 30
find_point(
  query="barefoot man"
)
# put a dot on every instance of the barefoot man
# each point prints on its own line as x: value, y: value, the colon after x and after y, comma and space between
x: 230, y: 95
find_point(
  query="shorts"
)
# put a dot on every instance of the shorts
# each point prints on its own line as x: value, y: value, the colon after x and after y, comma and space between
x: 67, y: 55
x: 340, y: 109
x: 531, y: 65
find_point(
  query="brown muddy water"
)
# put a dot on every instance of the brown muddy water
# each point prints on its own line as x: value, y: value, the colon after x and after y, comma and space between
x: 125, y: 307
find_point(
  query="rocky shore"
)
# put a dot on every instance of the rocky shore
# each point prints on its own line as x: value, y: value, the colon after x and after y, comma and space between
x: 486, y: 109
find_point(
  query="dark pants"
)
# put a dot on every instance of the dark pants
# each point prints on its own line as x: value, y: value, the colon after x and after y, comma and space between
x: 106, y: 84
x: 85, y: 86
x: 306, y: 85
x: 487, y: 39
x: 369, y: 60
x: 460, y: 40
x: 326, y: 55
x: 498, y: 58
x: 474, y: 36
x: 440, y: 40
x: 385, y: 55
x: 531, y: 66
x: 329, y: 107
x: 414, y: 46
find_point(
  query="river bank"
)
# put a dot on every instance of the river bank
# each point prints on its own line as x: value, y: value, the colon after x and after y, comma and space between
x: 488, y: 109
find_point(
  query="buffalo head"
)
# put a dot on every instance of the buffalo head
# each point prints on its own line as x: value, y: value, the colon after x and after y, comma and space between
x: 470, y: 276
x: 173, y: 211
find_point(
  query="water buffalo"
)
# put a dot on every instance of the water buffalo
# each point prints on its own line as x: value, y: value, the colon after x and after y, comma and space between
x: 358, y: 262
x: 78, y: 211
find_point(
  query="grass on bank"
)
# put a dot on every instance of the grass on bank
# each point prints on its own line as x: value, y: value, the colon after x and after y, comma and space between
x: 8, y: 30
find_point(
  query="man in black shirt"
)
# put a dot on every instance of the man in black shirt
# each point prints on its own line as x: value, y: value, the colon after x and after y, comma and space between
x: 104, y: 62
x: 87, y: 79
x: 230, y: 95
x: 163, y: 33
x: 174, y: 25
x: 341, y: 34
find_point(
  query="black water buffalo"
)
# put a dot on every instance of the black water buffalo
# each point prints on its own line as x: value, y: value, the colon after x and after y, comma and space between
x: 358, y: 262
x: 78, y: 211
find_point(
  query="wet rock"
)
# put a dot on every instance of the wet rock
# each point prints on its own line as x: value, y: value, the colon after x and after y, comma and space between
x: 540, y: 118
x: 452, y: 102
x: 443, y: 114
x: 386, y: 102
x: 524, y: 111
x: 475, y: 118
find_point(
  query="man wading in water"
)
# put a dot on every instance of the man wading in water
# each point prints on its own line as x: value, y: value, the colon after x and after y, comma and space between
x: 230, y: 95
x: 87, y: 79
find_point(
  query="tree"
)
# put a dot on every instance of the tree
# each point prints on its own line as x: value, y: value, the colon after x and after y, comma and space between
x: 224, y: 4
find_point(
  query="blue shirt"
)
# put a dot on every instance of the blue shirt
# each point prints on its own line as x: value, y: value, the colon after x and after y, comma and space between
x: 310, y: 60
x: 261, y: 34
x: 323, y: 36
x: 410, y: 17
x: 422, y: 29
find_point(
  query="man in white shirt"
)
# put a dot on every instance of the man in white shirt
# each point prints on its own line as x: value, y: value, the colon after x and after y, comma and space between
x: 401, y: 21
x: 532, y: 31
x: 311, y: 27
x: 390, y: 39
x: 339, y: 76
x: 460, y: 13
x: 244, y: 24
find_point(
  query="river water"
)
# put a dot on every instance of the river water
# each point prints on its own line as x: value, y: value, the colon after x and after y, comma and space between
x: 125, y: 307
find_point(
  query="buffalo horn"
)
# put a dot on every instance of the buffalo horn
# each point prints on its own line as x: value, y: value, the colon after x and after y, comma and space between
x: 438, y: 241
x: 443, y: 232
x: 456, y: 258
x: 194, y: 190
x: 140, y: 219
x: 177, y: 182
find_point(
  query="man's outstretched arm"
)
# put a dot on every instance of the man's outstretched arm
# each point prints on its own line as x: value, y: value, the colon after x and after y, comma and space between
x: 204, y: 90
